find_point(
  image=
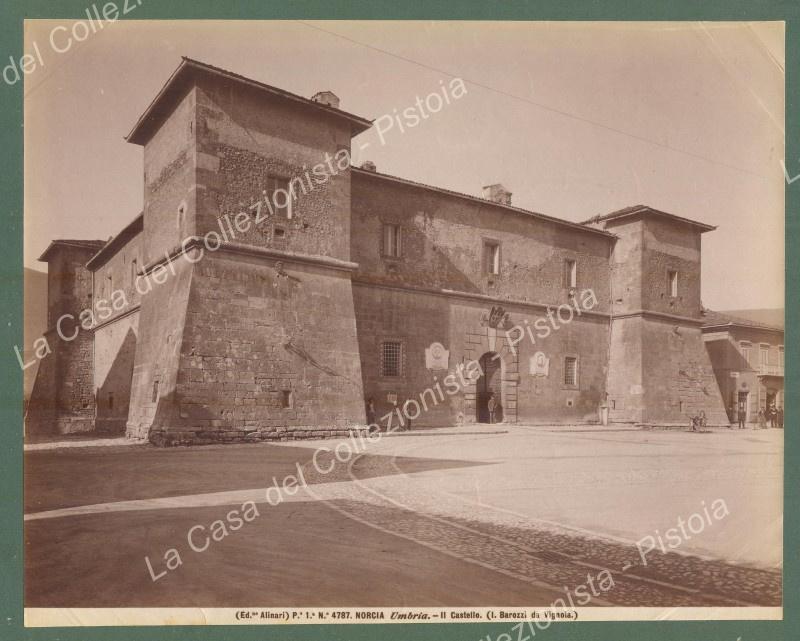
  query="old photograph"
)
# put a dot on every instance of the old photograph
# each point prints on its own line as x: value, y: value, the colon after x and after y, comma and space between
x: 369, y: 322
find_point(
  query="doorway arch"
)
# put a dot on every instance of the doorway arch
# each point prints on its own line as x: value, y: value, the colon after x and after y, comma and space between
x: 489, y: 382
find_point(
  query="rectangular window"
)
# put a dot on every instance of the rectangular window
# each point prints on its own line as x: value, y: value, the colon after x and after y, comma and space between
x: 672, y: 283
x: 392, y: 241
x: 764, y: 355
x: 287, y: 401
x: 391, y: 358
x: 155, y: 391
x: 111, y: 400
x: 780, y: 356
x: 491, y: 257
x: 746, y: 351
x: 134, y: 271
x: 570, y: 273
x: 279, y: 196
x: 571, y: 371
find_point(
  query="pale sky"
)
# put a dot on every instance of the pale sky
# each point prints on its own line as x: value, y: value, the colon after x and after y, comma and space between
x: 575, y: 119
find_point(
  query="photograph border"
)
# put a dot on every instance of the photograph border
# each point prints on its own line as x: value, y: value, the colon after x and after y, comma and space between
x: 12, y: 15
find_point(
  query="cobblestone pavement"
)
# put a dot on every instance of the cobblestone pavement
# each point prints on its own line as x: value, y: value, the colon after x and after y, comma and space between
x: 542, y: 554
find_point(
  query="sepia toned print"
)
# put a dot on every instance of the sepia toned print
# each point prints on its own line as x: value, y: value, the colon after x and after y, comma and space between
x: 313, y: 354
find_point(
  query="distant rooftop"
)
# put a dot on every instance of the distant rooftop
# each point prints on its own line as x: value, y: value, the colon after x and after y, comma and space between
x: 172, y: 90
x: 726, y: 319
x: 644, y: 210
x: 115, y: 242
x: 83, y: 244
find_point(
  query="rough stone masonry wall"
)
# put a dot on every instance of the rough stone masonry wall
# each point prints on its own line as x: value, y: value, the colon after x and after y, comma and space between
x: 115, y: 338
x: 161, y: 321
x: 245, y: 138
x: 40, y: 417
x: 114, y: 355
x: 266, y: 354
x: 418, y: 319
x: 169, y: 182
x: 63, y: 401
x: 679, y: 381
x: 169, y: 218
x: 442, y: 245
x: 625, y: 389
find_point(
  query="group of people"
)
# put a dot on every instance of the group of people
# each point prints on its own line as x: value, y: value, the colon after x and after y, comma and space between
x: 772, y: 415
x: 492, y: 407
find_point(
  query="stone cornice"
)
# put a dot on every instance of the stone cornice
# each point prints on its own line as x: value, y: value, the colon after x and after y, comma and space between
x: 452, y: 293
x: 195, y: 242
x: 643, y: 313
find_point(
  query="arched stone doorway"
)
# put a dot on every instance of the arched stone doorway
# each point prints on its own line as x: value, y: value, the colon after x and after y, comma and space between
x: 490, y: 382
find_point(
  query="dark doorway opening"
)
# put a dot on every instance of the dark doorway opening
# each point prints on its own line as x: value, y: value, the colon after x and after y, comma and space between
x: 744, y: 404
x: 490, y: 382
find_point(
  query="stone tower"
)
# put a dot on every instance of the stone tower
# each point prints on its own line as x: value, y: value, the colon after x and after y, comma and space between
x: 250, y: 332
x: 659, y: 371
x: 62, y: 400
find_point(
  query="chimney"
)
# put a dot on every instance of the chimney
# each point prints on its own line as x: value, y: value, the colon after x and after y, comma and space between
x: 497, y: 194
x: 326, y: 98
x: 368, y: 165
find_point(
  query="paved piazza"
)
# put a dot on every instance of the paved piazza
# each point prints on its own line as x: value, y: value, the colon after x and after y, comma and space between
x: 465, y: 516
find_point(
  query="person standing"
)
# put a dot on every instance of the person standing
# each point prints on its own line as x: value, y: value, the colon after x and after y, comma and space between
x: 773, y: 415
x: 762, y: 420
x: 372, y: 426
x: 491, y: 405
x: 742, y: 414
x: 780, y: 418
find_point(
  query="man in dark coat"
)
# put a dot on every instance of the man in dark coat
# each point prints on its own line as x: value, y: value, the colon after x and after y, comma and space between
x: 491, y: 405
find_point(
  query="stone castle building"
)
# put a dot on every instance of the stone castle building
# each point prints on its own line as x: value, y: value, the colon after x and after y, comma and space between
x: 362, y: 286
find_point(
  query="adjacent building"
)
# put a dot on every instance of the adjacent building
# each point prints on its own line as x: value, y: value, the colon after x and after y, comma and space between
x: 215, y: 317
x: 748, y: 361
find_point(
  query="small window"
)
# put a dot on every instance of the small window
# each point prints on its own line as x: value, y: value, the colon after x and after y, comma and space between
x: 280, y: 232
x: 764, y: 355
x: 111, y: 400
x: 491, y: 257
x: 155, y: 391
x: 746, y: 351
x: 391, y: 358
x: 287, y: 401
x: 392, y: 241
x: 672, y: 283
x: 134, y: 271
x: 570, y: 273
x: 571, y: 371
x: 279, y: 196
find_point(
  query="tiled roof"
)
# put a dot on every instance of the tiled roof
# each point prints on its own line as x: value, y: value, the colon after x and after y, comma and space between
x: 483, y: 201
x: 65, y: 242
x: 170, y: 93
x: 645, y: 210
x: 720, y: 319
x: 115, y: 242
